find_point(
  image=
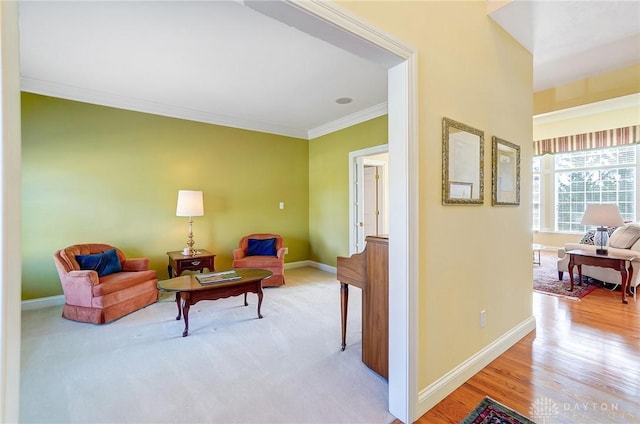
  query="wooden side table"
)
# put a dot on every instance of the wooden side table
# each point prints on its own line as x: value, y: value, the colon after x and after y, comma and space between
x: 178, y: 262
x: 619, y: 263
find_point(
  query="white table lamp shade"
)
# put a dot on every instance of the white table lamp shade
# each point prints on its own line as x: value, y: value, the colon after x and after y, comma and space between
x: 189, y: 203
x: 603, y: 215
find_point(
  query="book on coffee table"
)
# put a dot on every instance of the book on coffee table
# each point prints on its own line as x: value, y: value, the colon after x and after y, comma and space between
x: 217, y: 277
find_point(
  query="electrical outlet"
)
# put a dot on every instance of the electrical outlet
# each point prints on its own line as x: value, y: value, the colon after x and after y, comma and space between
x: 286, y: 250
x: 483, y: 318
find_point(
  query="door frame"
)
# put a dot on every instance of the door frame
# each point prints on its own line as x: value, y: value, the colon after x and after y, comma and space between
x: 333, y: 24
x: 357, y: 160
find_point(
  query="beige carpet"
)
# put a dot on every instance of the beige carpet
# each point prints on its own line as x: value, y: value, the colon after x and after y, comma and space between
x: 232, y: 368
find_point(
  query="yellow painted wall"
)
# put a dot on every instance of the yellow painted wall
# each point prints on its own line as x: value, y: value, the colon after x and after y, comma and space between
x: 99, y: 174
x: 604, y: 120
x: 600, y: 87
x: 471, y: 258
x: 329, y: 186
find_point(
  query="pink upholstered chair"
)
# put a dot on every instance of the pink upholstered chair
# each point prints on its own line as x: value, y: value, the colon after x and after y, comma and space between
x: 263, y: 251
x: 97, y: 294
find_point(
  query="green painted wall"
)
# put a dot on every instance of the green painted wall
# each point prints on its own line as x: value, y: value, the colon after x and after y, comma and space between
x: 329, y: 186
x: 99, y: 174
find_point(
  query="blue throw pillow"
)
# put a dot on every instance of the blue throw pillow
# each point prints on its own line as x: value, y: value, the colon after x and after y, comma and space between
x: 103, y: 263
x: 264, y: 247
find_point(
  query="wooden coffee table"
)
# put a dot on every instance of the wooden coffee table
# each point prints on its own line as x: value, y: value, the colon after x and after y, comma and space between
x: 580, y: 257
x: 190, y: 290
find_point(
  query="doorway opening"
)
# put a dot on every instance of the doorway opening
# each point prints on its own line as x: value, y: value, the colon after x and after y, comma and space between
x: 368, y: 195
x: 330, y: 23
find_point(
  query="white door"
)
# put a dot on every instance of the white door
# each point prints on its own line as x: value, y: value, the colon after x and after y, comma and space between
x: 369, y: 197
x: 374, y: 202
x: 370, y: 200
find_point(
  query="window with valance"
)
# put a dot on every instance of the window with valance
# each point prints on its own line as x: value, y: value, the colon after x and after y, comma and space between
x: 588, y: 141
x: 572, y: 171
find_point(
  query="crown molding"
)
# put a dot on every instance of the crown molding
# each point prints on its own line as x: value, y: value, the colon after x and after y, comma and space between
x: 631, y: 100
x: 349, y: 120
x: 68, y: 92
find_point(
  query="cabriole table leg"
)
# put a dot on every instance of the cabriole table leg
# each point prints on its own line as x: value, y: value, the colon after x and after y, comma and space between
x: 259, y: 299
x: 178, y: 304
x: 186, y: 304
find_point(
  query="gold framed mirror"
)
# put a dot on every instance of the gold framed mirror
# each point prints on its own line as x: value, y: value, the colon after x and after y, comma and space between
x: 505, y: 173
x: 462, y: 158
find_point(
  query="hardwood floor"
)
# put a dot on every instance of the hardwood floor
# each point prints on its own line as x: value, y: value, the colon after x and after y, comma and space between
x: 580, y: 365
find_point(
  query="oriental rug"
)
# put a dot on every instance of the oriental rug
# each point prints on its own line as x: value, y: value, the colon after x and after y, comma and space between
x: 489, y: 411
x: 545, y: 279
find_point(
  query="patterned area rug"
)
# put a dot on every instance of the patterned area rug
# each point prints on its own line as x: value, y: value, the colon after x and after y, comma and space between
x: 545, y: 279
x: 491, y: 412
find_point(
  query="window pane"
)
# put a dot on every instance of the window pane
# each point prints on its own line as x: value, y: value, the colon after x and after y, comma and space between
x: 593, y: 176
x: 535, y: 193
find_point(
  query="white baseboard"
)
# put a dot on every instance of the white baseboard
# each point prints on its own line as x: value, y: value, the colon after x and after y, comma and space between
x: 43, y: 302
x: 434, y: 393
x: 299, y: 264
x: 312, y: 264
x: 323, y: 267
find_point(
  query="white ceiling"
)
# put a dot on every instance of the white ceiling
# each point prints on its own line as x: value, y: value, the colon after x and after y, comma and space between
x: 225, y: 63
x: 573, y: 40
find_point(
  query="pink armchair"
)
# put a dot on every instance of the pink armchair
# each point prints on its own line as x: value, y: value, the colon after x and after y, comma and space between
x: 128, y: 285
x: 263, y: 251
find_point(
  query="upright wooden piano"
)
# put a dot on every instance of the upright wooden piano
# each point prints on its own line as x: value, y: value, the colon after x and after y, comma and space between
x: 369, y: 271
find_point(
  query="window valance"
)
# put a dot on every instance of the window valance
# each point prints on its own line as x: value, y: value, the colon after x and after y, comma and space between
x: 587, y: 141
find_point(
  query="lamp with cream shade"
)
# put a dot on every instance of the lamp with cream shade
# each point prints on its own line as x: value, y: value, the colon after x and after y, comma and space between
x: 190, y: 204
x: 603, y: 215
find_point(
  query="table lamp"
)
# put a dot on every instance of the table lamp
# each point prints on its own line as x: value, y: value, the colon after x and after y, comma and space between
x: 602, y: 215
x: 190, y: 204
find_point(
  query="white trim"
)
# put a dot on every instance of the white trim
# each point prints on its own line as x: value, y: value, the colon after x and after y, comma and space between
x: 442, y: 387
x: 11, y: 221
x: 42, y: 302
x: 323, y: 267
x: 403, y: 240
x: 349, y: 121
x: 62, y: 91
x: 129, y: 103
x: 363, y: 39
x: 369, y: 42
x: 298, y: 264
